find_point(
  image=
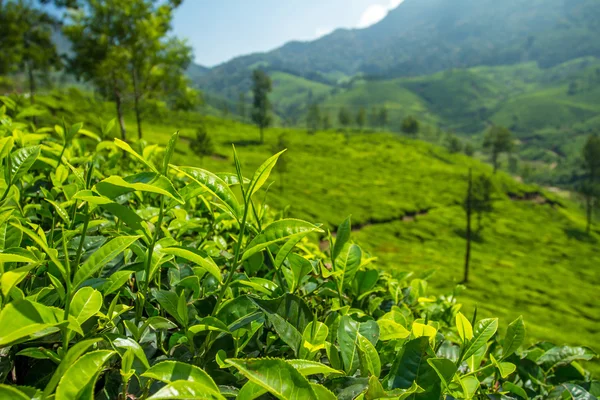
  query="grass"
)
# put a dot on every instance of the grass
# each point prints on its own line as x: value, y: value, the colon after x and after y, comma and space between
x: 529, y: 258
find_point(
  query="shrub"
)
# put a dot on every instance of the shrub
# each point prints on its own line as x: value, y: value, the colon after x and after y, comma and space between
x: 123, y: 276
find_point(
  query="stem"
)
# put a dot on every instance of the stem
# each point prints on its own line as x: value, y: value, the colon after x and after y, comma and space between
x: 234, y: 263
x: 83, y: 233
x: 151, y: 248
x: 68, y: 290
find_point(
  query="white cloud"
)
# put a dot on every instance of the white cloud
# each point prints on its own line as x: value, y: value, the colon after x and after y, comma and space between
x: 375, y: 13
x: 320, y: 32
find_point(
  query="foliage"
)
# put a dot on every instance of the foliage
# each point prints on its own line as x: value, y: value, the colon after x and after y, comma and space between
x: 202, y: 145
x: 344, y: 117
x: 453, y: 143
x: 125, y: 274
x: 313, y: 118
x: 410, y: 125
x: 27, y: 44
x: 590, y: 188
x: 261, y: 105
x: 361, y: 118
x: 497, y: 140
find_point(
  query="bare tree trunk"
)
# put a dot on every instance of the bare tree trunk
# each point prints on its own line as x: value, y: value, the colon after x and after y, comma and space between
x: 117, y: 95
x: 136, y: 95
x: 468, y: 233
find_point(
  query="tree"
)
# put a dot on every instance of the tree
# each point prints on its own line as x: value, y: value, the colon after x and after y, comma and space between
x: 344, y: 117
x: 481, y: 198
x: 281, y: 165
x: 469, y: 149
x: 242, y: 105
x: 202, y: 145
x: 410, y: 125
x: 326, y: 122
x: 361, y: 118
x: 497, y: 140
x: 374, y: 117
x: 313, y: 118
x: 468, y: 209
x: 122, y: 46
x: 590, y: 188
x: 26, y: 41
x: 261, y: 106
x: 383, y: 118
x: 453, y: 143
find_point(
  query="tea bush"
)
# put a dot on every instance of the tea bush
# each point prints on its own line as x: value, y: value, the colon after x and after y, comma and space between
x: 125, y: 276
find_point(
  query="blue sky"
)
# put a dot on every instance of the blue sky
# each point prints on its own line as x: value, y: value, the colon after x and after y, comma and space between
x: 222, y: 29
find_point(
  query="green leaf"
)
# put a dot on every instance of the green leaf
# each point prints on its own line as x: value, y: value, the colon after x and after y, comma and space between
x: 485, y: 330
x: 85, y: 304
x: 369, y: 358
x: 126, y: 344
x: 115, y: 282
x: 470, y: 384
x: 341, y: 238
x: 62, y: 213
x: 24, y: 320
x: 505, y: 368
x: 101, y: 257
x: 171, y: 371
x: 12, y: 393
x: 209, y: 324
x: 571, y: 392
x: 515, y: 335
x: 182, y: 309
x: 250, y: 391
x: 262, y: 174
x: 347, y: 336
x: 22, y: 160
x: 126, y: 147
x: 445, y: 369
x: 564, y: 355
x: 313, y: 339
x: 115, y: 186
x: 348, y: 263
x: 197, y: 258
x: 465, y: 330
x: 411, y: 367
x: 215, y: 186
x: 186, y: 390
x: 276, y: 376
x: 82, y: 373
x: 41, y: 242
x: 307, y: 368
x: 169, y: 152
x: 391, y: 330
x: 72, y: 355
x: 169, y: 301
x: 125, y: 214
x: 12, y: 278
x: 278, y: 231
x: 519, y: 391
x: 6, y: 145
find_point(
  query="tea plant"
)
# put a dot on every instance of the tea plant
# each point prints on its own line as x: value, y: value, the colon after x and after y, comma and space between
x: 126, y: 276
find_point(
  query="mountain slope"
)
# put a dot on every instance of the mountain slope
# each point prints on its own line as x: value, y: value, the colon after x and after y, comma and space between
x: 426, y: 36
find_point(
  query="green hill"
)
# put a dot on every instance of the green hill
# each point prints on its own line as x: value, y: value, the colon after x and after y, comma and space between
x: 530, y: 257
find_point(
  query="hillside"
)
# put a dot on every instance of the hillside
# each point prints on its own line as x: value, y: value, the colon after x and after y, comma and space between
x: 426, y: 36
x: 405, y: 196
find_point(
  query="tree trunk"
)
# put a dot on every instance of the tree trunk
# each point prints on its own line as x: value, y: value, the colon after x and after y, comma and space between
x: 119, y: 111
x: 468, y: 233
x: 136, y: 95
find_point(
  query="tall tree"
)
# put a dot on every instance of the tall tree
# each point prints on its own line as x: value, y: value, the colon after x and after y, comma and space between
x: 481, y: 198
x: 410, y: 125
x: 313, y: 118
x: 202, y: 145
x: 383, y: 118
x: 26, y: 41
x: 344, y: 117
x: 325, y: 122
x: 361, y: 118
x: 591, y: 185
x: 498, y: 140
x: 468, y: 209
x: 261, y: 105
